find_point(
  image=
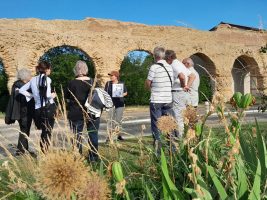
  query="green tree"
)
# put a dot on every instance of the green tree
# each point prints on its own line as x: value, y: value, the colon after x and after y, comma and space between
x: 205, y: 89
x: 134, y: 72
x: 63, y: 60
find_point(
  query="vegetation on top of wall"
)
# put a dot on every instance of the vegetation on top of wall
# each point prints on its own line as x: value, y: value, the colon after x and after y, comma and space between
x: 263, y: 49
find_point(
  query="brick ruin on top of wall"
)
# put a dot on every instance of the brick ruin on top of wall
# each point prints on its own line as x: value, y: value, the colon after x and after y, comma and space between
x: 24, y: 41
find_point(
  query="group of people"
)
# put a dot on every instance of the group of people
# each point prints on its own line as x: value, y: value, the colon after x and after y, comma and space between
x: 173, y: 85
x: 32, y: 98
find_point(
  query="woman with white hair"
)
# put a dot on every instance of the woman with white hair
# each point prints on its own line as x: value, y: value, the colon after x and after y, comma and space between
x: 76, y: 95
x: 21, y: 110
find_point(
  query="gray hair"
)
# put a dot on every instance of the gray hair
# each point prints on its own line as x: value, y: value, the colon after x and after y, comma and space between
x: 80, y: 68
x: 24, y: 74
x: 159, y: 53
x: 189, y: 61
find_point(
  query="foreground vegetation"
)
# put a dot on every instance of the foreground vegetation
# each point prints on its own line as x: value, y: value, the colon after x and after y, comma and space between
x: 229, y: 162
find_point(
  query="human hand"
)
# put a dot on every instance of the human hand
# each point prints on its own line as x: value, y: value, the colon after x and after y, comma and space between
x: 186, y: 88
x: 53, y: 95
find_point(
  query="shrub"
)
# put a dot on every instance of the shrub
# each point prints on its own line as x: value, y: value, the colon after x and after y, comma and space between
x: 205, y: 89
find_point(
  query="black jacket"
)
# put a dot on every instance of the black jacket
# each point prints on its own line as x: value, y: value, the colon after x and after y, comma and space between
x: 18, y: 107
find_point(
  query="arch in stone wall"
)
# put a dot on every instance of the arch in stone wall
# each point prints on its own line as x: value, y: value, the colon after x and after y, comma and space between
x: 61, y: 76
x: 133, y: 71
x: 205, y: 67
x: 246, y: 75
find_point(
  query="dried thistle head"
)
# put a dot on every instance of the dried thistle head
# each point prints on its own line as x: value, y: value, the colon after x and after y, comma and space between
x: 60, y: 174
x: 167, y: 124
x: 190, y: 116
x: 97, y: 188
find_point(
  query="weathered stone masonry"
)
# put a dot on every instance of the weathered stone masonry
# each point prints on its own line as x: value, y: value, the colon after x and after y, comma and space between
x: 24, y: 41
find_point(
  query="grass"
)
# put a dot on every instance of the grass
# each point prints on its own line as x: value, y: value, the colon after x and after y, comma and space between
x: 133, y: 154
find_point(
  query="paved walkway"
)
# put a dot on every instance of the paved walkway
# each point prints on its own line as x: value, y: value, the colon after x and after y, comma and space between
x: 134, y: 118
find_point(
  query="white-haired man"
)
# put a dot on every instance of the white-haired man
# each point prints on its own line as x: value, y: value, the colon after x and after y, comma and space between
x: 183, y: 79
x: 159, y: 81
x: 193, y: 93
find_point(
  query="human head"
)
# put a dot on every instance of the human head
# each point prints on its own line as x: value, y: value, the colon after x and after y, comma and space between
x: 80, y: 68
x: 24, y: 75
x: 188, y: 62
x: 170, y: 55
x: 43, y: 67
x: 159, y: 53
x: 114, y: 75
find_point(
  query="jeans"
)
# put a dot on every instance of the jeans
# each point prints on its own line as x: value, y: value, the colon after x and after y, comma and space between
x: 92, y: 128
x: 77, y: 128
x: 156, y: 111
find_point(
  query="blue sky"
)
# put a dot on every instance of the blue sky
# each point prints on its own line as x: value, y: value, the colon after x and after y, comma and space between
x: 198, y: 14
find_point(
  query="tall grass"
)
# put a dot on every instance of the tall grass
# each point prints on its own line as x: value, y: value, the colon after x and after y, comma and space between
x: 202, y: 165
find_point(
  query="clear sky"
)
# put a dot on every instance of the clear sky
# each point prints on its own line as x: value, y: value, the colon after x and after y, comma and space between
x: 198, y: 14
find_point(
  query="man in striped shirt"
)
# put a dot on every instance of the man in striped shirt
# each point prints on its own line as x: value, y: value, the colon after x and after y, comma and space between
x: 159, y: 81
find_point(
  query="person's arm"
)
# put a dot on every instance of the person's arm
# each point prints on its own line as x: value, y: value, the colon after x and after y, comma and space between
x: 24, y: 90
x: 49, y: 94
x: 150, y: 77
x: 191, y: 79
x: 148, y: 84
x: 181, y: 77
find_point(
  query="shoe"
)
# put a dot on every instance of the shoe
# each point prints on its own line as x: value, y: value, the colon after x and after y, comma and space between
x: 120, y: 138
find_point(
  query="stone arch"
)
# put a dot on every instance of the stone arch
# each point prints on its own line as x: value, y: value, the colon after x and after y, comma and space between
x: 58, y: 54
x: 205, y: 67
x: 133, y: 71
x: 246, y: 75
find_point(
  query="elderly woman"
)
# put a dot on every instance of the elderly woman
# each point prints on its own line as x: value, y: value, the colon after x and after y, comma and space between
x: 21, y: 110
x: 76, y: 95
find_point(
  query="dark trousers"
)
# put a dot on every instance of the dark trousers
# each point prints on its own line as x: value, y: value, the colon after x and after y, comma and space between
x: 47, y: 125
x: 25, y: 126
x: 77, y: 128
x: 92, y: 129
x: 156, y: 111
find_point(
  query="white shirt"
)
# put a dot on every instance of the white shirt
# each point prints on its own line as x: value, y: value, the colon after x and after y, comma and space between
x: 178, y: 67
x: 33, y: 85
x: 161, y: 85
x: 196, y: 82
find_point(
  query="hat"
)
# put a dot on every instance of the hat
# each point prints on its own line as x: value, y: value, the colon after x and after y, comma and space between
x: 114, y: 73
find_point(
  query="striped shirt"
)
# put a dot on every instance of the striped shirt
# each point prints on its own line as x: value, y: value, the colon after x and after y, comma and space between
x: 160, y: 82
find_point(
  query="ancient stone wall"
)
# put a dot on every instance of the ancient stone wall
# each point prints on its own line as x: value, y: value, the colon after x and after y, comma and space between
x: 24, y: 41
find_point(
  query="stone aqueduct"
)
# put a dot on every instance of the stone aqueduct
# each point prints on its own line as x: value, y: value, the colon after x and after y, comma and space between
x: 24, y: 41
